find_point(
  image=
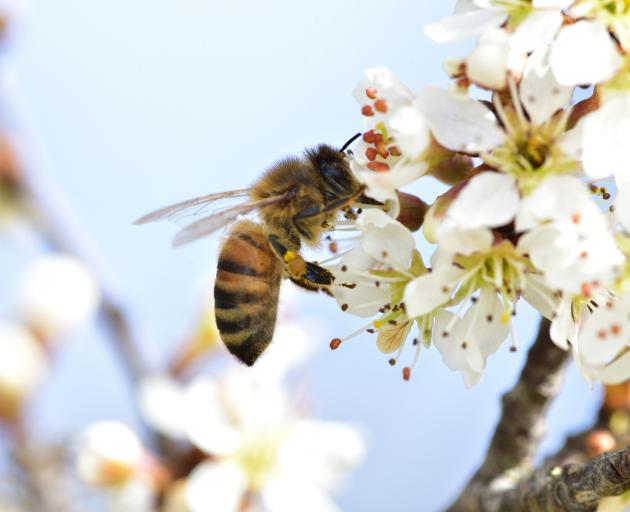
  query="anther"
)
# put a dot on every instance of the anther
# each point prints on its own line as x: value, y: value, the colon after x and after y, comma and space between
x: 344, y: 307
x: 371, y: 154
x: 344, y: 268
x: 335, y: 343
x: 380, y: 105
x: 378, y: 166
x: 615, y: 329
x: 371, y: 92
x: 367, y: 111
x: 406, y: 373
x: 392, y: 361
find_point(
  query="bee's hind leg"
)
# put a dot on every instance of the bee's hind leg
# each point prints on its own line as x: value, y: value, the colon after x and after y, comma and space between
x: 305, y: 274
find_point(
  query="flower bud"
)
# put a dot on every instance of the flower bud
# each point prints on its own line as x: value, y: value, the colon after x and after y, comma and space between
x: 412, y: 211
x: 452, y: 170
x: 109, y: 454
x: 56, y: 295
x: 23, y: 367
x: 598, y: 442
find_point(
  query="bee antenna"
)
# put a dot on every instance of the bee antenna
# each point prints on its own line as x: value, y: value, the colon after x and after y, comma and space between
x: 350, y: 141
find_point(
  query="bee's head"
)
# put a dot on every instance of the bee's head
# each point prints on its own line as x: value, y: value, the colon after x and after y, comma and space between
x: 336, y: 177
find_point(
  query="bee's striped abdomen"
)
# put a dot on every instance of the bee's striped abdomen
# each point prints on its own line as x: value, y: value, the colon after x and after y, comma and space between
x: 246, y: 291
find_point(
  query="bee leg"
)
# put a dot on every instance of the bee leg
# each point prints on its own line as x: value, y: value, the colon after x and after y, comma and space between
x: 306, y: 274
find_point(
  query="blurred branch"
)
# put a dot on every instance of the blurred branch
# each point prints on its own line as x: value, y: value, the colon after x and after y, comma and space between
x: 61, y: 235
x: 577, y: 487
x: 521, y: 426
x: 44, y: 478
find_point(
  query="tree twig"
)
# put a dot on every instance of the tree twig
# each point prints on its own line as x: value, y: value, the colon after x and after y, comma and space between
x: 521, y: 425
x: 574, y: 487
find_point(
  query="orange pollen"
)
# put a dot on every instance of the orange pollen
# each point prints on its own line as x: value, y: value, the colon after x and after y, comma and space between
x: 406, y: 373
x: 587, y: 289
x: 334, y: 344
x: 367, y: 111
x: 378, y: 166
x: 371, y: 154
x: 575, y: 218
x: 371, y: 92
x: 615, y: 329
x: 382, y: 150
x: 369, y: 136
x: 602, y: 335
x: 381, y: 106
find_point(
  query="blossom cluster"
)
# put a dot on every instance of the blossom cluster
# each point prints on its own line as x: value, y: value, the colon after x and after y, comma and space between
x: 243, y: 443
x: 530, y: 140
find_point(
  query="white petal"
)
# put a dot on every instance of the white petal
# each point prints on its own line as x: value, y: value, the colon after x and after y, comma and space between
x: 540, y: 92
x: 563, y: 328
x: 410, y: 130
x: 540, y: 296
x: 558, y: 197
x: 323, y: 452
x: 385, y: 239
x: 216, y: 486
x: 487, y: 65
x: 465, y: 24
x: 460, y: 124
x: 161, y: 402
x: 208, y: 424
x: 292, y: 493
x: 387, y: 85
x: 490, y: 199
x: 458, y: 240
x: 457, y: 355
x: 605, y: 134
x: 616, y: 372
x: 622, y: 206
x: 23, y: 363
x: 382, y: 186
x: 606, y: 332
x: 427, y: 292
x: 539, y: 28
x: 56, y: 295
x: 486, y: 324
x: 558, y: 4
x: 584, y: 53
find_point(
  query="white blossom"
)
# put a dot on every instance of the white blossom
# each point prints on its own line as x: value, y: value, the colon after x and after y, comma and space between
x: 23, y: 366
x: 108, y: 454
x: 56, y: 295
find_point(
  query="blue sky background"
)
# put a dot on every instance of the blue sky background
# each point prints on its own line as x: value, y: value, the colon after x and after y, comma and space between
x: 139, y: 103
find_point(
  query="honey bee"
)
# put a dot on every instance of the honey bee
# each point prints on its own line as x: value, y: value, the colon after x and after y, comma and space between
x: 297, y: 200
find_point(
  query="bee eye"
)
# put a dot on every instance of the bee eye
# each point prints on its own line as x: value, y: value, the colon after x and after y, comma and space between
x: 336, y: 178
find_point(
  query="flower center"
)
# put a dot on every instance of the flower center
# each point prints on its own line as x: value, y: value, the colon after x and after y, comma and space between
x: 531, y: 152
x: 501, y: 268
x: 257, y: 458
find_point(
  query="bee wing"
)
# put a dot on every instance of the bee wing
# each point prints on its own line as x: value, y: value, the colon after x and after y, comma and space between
x: 211, y: 223
x: 190, y: 207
